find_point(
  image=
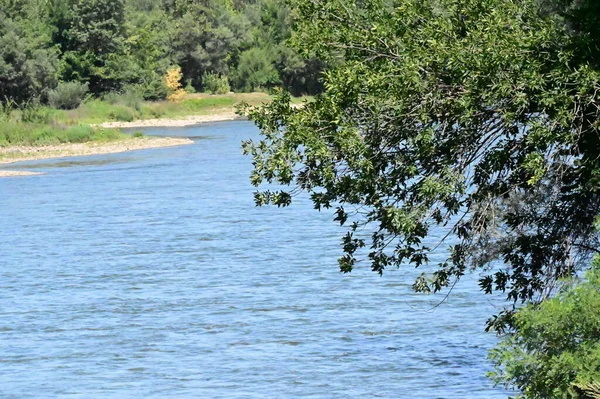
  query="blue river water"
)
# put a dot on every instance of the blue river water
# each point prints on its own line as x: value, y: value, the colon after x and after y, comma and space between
x: 151, y: 274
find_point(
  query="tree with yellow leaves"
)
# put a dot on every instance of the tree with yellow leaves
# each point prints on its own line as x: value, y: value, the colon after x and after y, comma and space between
x: 173, y: 83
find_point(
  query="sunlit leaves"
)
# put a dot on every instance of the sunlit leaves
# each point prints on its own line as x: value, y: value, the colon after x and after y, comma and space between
x: 475, y: 117
x: 555, y: 349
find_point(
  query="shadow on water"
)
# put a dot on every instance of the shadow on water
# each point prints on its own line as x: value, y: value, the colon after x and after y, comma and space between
x: 189, y: 132
x: 68, y: 163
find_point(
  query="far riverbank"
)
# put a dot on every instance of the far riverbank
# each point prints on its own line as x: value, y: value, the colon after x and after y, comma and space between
x: 41, y: 132
x: 220, y: 116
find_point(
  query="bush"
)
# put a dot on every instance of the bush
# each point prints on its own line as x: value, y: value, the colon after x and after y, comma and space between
x: 215, y: 84
x: 138, y: 134
x: 34, y: 113
x: 256, y: 71
x: 189, y: 87
x: 133, y: 96
x: 112, y: 97
x: 68, y: 95
x: 173, y: 84
x: 554, y: 351
x: 123, y: 114
x: 155, y: 89
x: 6, y: 109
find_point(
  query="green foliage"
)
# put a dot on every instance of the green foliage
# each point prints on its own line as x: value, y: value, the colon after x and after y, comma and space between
x: 94, y: 44
x: 479, y: 116
x: 31, y: 134
x: 256, y: 71
x: 138, y: 134
x: 554, y: 351
x: 34, y: 113
x: 113, y: 44
x: 133, y: 96
x: 189, y: 88
x: 123, y: 114
x: 215, y: 84
x: 28, y: 62
x: 68, y: 95
x: 6, y: 109
x: 581, y: 18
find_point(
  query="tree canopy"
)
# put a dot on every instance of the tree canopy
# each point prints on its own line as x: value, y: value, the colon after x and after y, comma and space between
x: 478, y: 115
x: 112, y: 45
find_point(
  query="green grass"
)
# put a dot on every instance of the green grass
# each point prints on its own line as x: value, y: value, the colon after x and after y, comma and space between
x: 41, y: 126
x: 37, y: 135
x: 123, y: 109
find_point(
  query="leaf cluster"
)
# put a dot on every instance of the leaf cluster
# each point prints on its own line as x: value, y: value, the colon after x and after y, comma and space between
x: 554, y: 351
x: 477, y: 118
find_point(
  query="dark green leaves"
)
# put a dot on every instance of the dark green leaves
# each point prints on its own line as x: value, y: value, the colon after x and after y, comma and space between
x: 474, y: 118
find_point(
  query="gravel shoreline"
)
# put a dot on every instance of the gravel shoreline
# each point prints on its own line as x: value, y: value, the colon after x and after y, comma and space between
x: 23, y: 153
x: 174, y: 122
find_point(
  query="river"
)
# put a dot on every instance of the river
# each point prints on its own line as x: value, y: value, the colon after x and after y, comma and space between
x: 151, y: 274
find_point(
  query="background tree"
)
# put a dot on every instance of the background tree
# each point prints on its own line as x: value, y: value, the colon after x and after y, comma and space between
x: 28, y: 60
x: 117, y: 46
x: 581, y: 18
x: 93, y: 43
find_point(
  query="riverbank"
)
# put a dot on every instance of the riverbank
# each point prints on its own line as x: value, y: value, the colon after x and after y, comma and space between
x: 220, y: 116
x: 41, y: 132
x: 31, y: 153
x: 123, y: 111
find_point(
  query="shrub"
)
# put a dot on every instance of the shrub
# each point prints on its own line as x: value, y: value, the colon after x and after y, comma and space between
x: 155, y: 88
x: 68, y: 95
x: 111, y: 97
x: 256, y: 71
x: 34, y: 113
x: 138, y: 134
x: 153, y: 110
x: 133, y: 96
x: 189, y: 87
x: 6, y: 109
x: 554, y: 351
x: 123, y: 114
x: 215, y: 84
x: 173, y: 84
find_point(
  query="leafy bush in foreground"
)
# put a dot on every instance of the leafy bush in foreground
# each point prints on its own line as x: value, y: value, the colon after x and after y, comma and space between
x: 555, y: 349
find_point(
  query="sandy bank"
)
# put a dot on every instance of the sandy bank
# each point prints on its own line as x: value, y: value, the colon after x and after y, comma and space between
x: 18, y: 154
x: 175, y: 122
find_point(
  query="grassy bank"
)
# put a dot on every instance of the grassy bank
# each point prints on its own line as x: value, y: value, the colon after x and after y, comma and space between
x: 127, y: 108
x: 42, y: 125
x: 39, y: 135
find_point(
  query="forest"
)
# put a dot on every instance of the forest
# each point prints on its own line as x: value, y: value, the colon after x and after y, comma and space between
x: 54, y: 51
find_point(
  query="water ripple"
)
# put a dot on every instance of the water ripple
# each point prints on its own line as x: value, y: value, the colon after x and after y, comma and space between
x: 153, y: 275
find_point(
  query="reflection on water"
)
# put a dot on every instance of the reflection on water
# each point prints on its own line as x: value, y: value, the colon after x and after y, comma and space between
x: 151, y: 274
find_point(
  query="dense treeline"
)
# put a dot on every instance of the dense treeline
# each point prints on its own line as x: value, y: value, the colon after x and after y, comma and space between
x: 114, y: 45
